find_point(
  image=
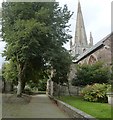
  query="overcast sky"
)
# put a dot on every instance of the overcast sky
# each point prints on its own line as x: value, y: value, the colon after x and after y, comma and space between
x: 96, y: 14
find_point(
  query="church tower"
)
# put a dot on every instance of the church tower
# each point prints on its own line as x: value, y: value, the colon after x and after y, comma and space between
x: 80, y: 41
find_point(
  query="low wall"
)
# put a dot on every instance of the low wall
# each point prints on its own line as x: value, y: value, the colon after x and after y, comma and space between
x: 71, y: 111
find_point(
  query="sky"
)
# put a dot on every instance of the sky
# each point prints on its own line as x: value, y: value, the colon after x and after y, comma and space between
x: 96, y: 15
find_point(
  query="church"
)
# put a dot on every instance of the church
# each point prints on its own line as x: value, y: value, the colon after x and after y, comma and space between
x: 89, y: 53
x: 85, y: 53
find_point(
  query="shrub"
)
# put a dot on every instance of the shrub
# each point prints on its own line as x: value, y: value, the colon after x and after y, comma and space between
x: 89, y: 74
x: 96, y: 92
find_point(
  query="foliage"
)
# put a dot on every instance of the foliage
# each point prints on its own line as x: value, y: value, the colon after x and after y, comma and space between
x: 95, y: 92
x: 109, y: 89
x: 34, y: 30
x: 10, y: 72
x: 89, y: 74
x: 42, y: 85
x: 2, y: 77
x: 61, y: 66
x: 35, y: 33
x: 112, y: 75
x: 98, y: 110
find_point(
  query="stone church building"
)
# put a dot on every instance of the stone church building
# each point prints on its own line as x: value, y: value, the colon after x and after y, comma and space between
x: 85, y: 53
x: 99, y: 52
x: 89, y: 53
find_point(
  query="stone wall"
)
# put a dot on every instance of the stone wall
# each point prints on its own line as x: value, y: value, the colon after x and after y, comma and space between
x: 7, y: 87
x: 102, y: 54
x: 55, y: 89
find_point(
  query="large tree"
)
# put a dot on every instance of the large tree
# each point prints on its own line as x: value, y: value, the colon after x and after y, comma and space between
x: 34, y: 33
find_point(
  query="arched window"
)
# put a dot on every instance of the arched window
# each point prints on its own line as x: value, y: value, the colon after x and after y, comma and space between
x: 92, y: 59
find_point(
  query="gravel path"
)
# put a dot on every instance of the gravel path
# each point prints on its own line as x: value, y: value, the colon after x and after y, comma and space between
x: 40, y: 106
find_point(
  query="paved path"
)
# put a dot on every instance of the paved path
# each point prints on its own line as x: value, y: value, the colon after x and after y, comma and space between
x: 40, y: 106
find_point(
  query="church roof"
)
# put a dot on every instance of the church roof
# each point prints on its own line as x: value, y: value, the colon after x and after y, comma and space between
x: 92, y: 49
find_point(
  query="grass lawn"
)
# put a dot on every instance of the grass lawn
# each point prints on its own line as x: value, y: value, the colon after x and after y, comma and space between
x: 97, y: 110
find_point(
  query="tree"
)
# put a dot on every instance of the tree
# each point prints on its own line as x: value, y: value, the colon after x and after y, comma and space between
x: 42, y: 85
x: 10, y: 72
x: 34, y: 32
x: 61, y: 67
x: 88, y: 74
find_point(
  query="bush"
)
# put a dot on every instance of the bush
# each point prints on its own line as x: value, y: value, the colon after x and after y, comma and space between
x: 89, y: 74
x: 96, y: 92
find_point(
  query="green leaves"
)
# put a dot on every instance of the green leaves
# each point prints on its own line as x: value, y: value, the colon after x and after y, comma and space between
x: 10, y: 72
x: 95, y: 92
x: 89, y: 74
x: 35, y: 34
x: 61, y: 64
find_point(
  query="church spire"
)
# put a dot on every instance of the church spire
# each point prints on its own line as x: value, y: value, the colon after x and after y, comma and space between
x: 91, y: 40
x: 80, y: 33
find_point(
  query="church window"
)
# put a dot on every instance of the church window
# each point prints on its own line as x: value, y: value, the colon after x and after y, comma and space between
x: 92, y: 60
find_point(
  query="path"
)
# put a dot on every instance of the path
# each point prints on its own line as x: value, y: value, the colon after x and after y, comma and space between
x: 40, y: 106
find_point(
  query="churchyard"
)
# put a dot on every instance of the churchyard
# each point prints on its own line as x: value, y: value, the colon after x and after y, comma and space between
x: 41, y: 78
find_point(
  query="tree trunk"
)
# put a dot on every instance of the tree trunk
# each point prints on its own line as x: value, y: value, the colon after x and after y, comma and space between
x: 4, y: 86
x: 19, y: 89
x: 23, y: 85
x: 12, y: 86
x: 68, y: 88
x: 21, y: 78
